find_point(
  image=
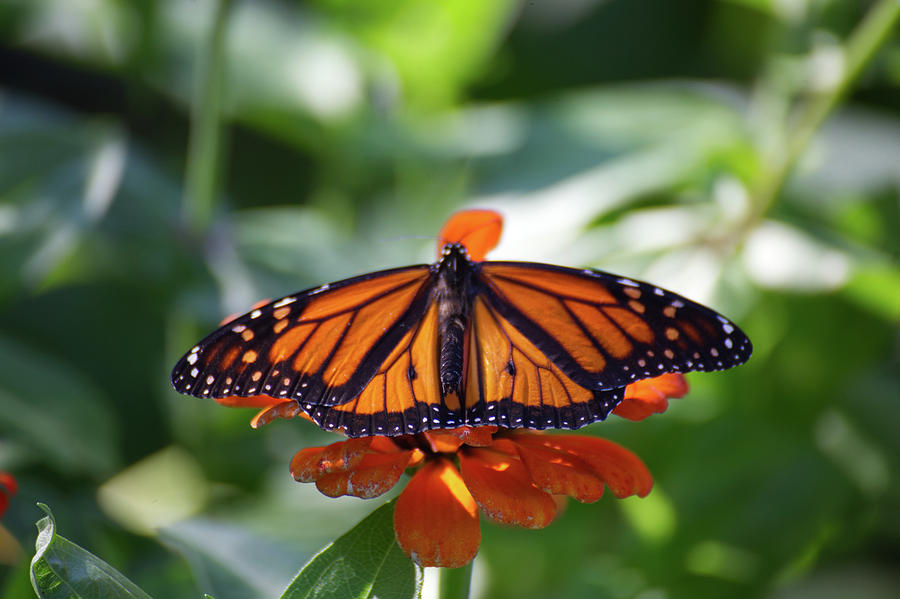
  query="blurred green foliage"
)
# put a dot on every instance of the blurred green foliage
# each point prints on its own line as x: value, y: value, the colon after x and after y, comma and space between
x: 637, y: 137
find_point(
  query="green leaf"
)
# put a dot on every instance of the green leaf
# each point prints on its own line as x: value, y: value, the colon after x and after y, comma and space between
x: 286, y: 240
x: 231, y: 562
x: 364, y: 562
x: 61, y: 569
x: 876, y: 287
x: 49, y: 406
x: 435, y: 47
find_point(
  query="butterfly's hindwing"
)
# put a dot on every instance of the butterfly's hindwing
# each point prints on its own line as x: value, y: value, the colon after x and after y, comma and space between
x: 512, y: 383
x: 404, y: 395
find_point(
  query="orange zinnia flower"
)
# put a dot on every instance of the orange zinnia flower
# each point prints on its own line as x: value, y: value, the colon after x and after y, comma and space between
x: 512, y: 475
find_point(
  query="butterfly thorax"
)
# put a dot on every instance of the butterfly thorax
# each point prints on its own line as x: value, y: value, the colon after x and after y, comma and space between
x: 452, y: 294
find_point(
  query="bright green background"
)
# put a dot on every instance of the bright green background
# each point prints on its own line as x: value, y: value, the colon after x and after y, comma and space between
x: 639, y: 136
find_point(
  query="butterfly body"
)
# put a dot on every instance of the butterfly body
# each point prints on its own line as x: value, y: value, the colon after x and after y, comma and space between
x: 453, y: 294
x: 460, y: 342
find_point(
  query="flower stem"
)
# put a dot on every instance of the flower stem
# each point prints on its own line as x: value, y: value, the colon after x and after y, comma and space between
x: 203, y: 145
x: 871, y: 33
x: 454, y: 582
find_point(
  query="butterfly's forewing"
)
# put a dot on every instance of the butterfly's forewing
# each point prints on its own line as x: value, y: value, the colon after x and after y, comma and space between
x: 319, y: 346
x: 605, y: 331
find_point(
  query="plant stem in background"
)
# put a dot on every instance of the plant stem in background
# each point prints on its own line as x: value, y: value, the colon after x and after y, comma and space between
x: 204, y: 144
x: 861, y: 46
x: 454, y: 582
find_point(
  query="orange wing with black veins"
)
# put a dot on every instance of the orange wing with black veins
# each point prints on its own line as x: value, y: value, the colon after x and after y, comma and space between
x: 605, y: 331
x: 320, y: 346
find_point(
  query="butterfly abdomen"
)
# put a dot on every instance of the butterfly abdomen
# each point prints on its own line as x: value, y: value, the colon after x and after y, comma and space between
x: 451, y: 355
x: 452, y: 294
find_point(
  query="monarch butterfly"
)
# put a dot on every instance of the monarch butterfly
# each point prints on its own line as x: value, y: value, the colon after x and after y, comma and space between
x: 461, y: 342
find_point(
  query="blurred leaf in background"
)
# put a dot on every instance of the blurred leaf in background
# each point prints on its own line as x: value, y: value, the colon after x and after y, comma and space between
x: 666, y: 141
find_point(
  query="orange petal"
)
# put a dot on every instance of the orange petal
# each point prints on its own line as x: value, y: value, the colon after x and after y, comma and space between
x: 443, y: 441
x: 478, y: 230
x: 436, y: 518
x: 377, y: 473
x: 383, y: 445
x: 561, y: 473
x: 637, y: 410
x: 286, y: 409
x: 311, y: 463
x: 506, y: 446
x: 449, y: 440
x: 479, y: 436
x: 344, y: 455
x: 254, y: 401
x: 651, y: 396
x: 671, y: 384
x: 502, y: 486
x: 622, y: 471
x: 305, y: 464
